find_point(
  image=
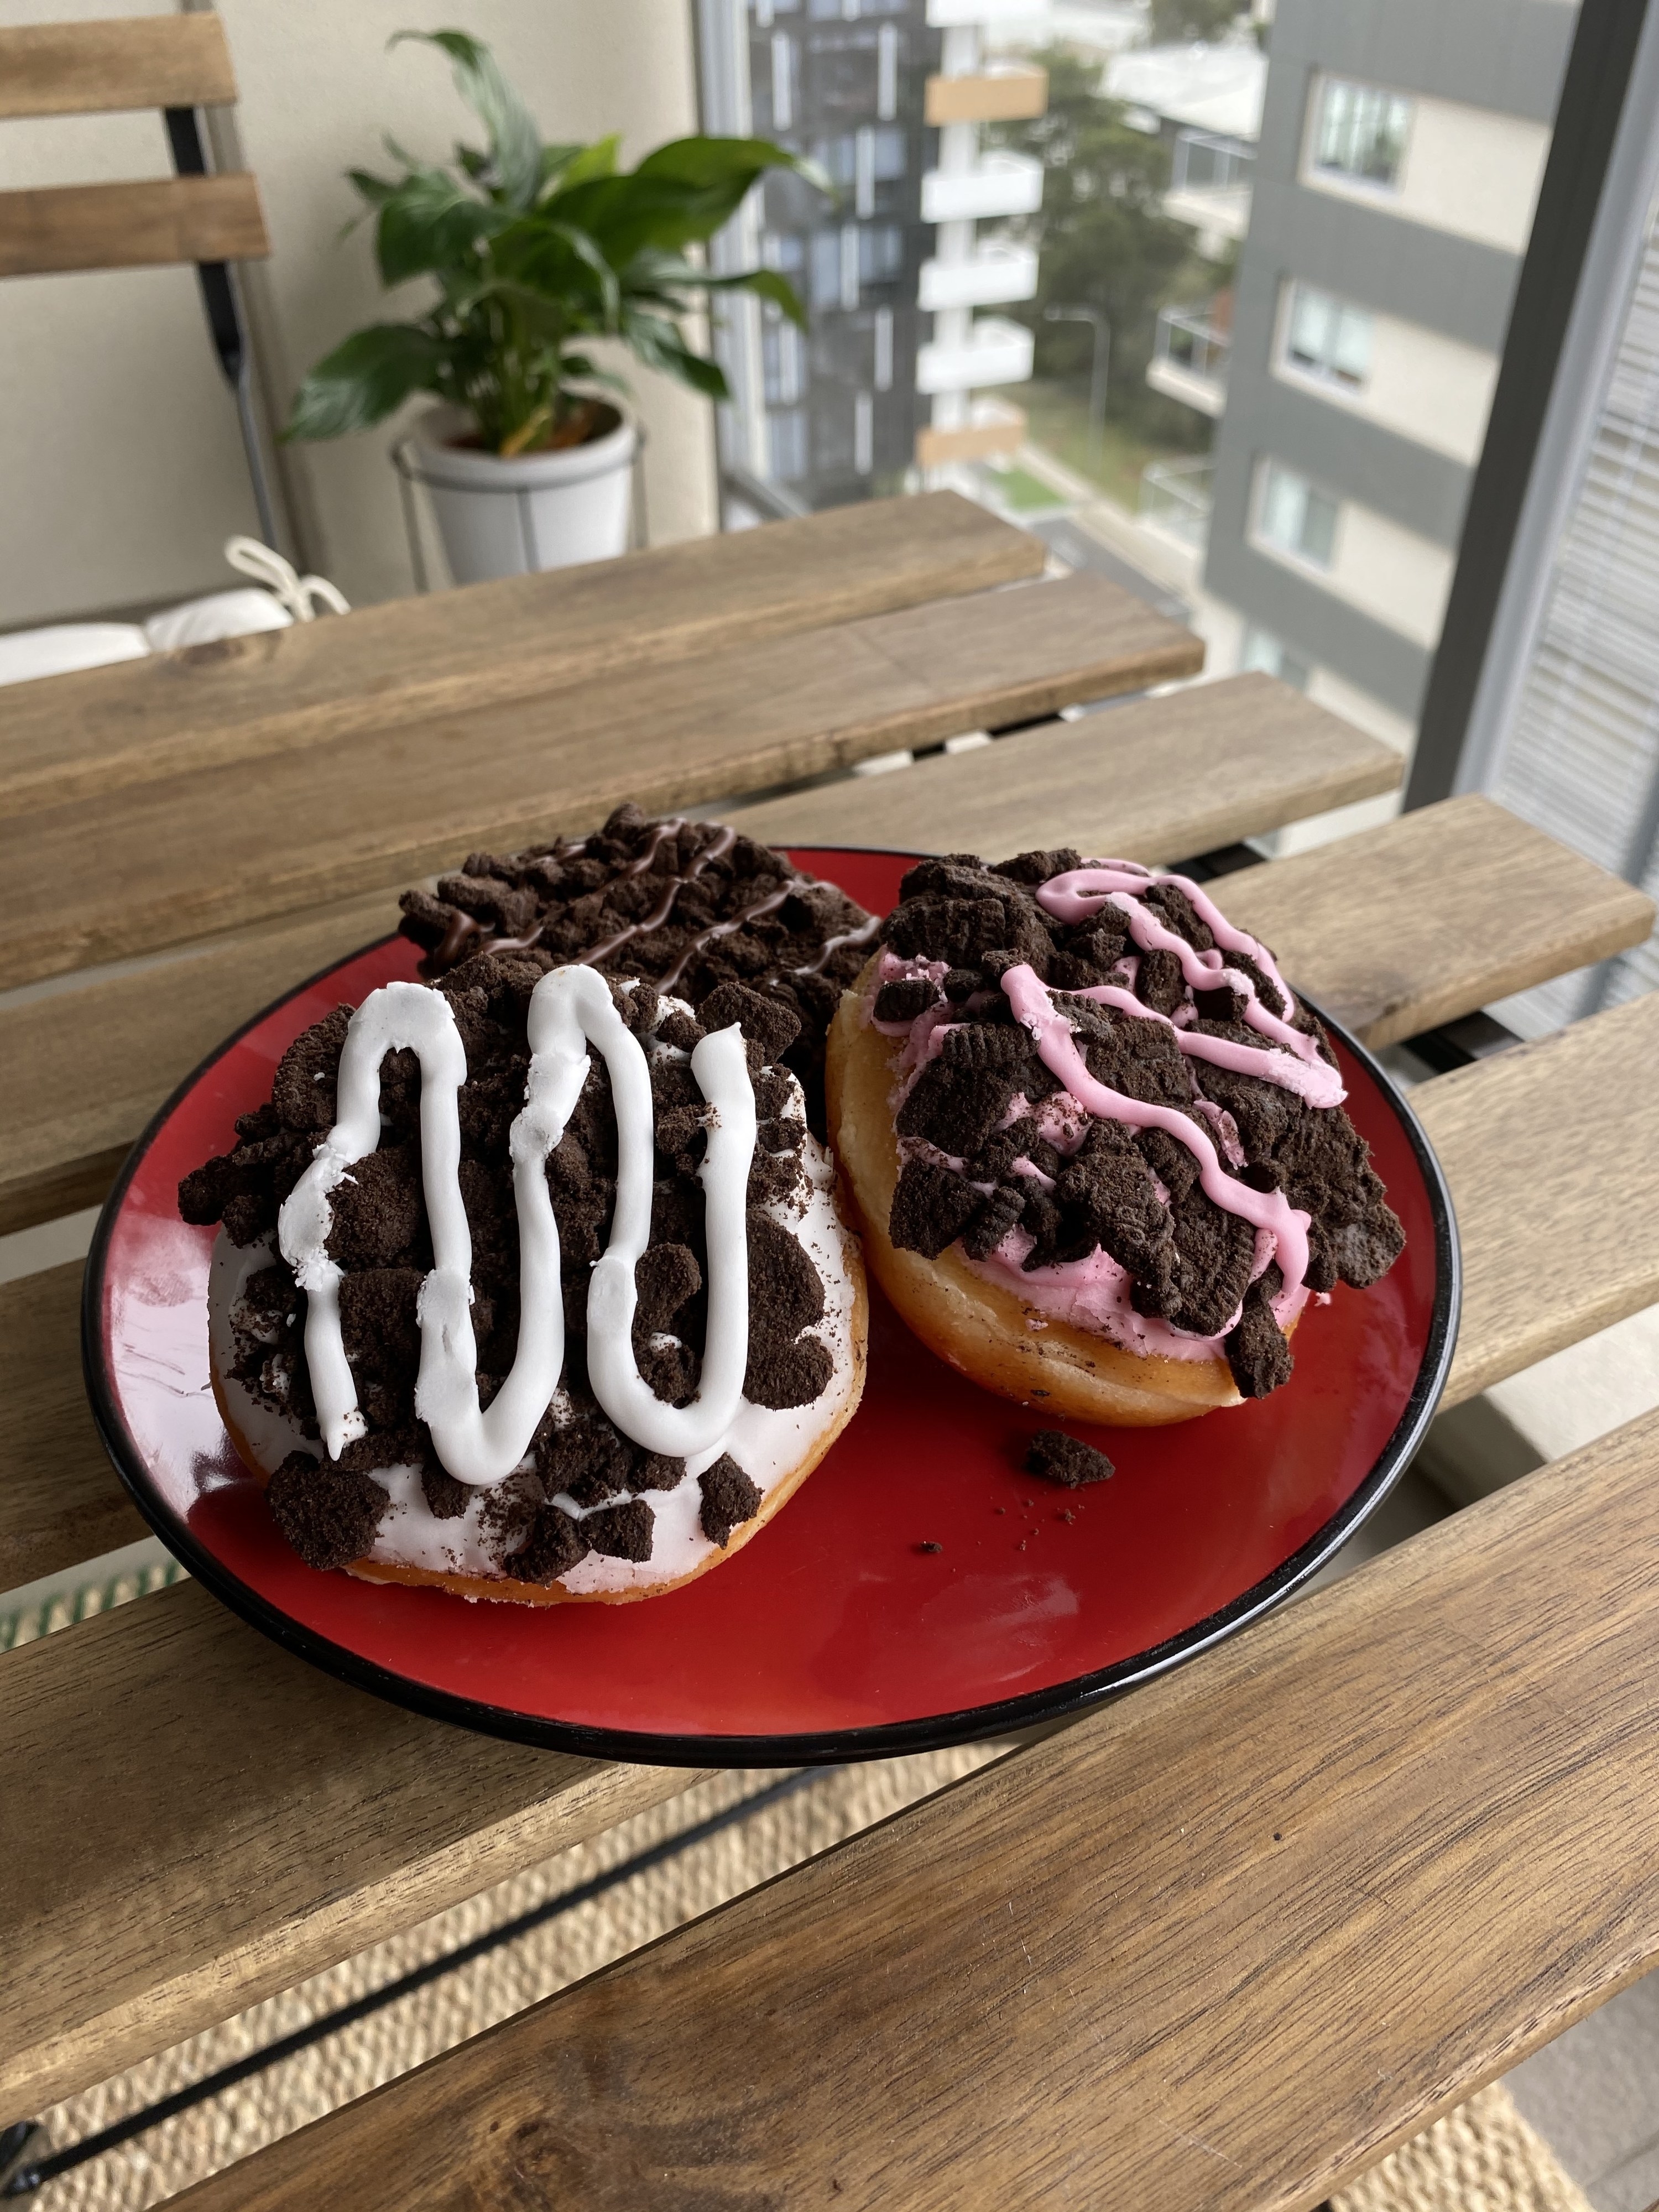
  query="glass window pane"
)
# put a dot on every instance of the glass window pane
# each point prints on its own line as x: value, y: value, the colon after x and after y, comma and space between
x: 1362, y: 131
x: 1310, y: 322
x: 1284, y: 497
x: 1351, y: 348
x: 1318, y: 538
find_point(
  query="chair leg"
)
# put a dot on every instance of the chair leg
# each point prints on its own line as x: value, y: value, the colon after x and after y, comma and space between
x: 225, y: 323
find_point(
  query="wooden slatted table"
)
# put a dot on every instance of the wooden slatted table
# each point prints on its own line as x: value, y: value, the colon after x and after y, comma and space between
x: 1218, y: 1945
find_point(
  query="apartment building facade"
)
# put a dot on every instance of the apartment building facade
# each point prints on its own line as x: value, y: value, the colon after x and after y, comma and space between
x: 1402, y: 145
x: 888, y: 97
x: 828, y: 414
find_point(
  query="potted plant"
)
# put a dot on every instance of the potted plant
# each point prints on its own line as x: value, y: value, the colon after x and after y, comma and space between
x: 535, y: 251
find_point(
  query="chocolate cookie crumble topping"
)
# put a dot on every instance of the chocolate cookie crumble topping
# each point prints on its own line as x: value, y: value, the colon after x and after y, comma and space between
x: 690, y: 908
x: 1065, y: 1459
x: 729, y: 1498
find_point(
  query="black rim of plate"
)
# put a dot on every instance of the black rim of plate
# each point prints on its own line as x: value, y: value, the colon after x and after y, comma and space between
x: 888, y: 1740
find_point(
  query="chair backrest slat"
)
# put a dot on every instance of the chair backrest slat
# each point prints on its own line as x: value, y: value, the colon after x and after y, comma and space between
x: 158, y: 220
x: 139, y: 61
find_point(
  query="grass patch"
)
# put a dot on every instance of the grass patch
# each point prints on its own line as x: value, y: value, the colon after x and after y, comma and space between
x: 1018, y: 488
x: 1059, y: 420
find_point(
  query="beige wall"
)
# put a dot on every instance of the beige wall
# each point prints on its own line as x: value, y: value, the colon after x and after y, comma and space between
x: 1469, y: 170
x: 1427, y: 387
x: 120, y: 467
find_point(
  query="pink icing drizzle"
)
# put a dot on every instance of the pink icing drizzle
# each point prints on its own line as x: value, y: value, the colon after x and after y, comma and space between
x: 1270, y: 1209
x: 1315, y: 1080
x: 1081, y: 892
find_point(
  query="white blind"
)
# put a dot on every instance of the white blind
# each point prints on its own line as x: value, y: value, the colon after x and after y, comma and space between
x: 1581, y: 757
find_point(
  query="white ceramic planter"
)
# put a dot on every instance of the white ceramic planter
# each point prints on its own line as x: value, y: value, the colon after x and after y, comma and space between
x: 504, y: 518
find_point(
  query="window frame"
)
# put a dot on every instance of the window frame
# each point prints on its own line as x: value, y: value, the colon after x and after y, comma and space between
x: 1268, y: 466
x: 1325, y: 381
x: 1329, y: 176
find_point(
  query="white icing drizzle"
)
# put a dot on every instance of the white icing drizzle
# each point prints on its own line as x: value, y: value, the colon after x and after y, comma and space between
x: 718, y: 1063
x: 769, y: 1445
x: 569, y: 1008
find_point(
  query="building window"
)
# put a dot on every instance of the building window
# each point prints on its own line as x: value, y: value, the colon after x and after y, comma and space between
x: 1262, y: 651
x: 881, y: 252
x: 786, y: 436
x: 1329, y: 339
x: 1362, y: 132
x: 1295, y: 517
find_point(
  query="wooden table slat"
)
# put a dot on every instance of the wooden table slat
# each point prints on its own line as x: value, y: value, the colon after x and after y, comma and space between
x: 110, y: 1955
x: 242, y: 1820
x: 1571, y: 1245
x: 460, y: 651
x: 1155, y: 779
x: 1427, y: 901
x: 60, y: 1500
x: 159, y: 863
x: 1222, y: 1945
x: 82, y: 1071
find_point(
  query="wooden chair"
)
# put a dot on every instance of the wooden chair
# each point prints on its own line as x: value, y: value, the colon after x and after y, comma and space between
x: 179, y: 64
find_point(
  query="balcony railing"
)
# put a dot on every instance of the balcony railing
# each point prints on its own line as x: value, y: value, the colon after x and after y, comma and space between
x: 1204, y: 163
x: 1174, y: 498
x: 1194, y: 344
x: 1209, y: 185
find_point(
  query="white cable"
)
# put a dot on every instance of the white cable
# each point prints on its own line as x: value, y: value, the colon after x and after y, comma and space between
x: 298, y: 594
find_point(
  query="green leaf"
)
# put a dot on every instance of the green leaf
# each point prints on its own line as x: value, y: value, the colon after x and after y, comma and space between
x: 514, y: 142
x: 660, y: 345
x: 560, y: 261
x: 375, y: 190
x: 365, y: 380
x: 431, y: 222
x: 679, y: 196
x: 598, y: 160
x: 645, y: 272
x: 711, y: 163
x: 556, y: 159
x: 578, y: 364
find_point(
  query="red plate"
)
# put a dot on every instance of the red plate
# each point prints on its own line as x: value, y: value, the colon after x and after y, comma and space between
x: 834, y: 1634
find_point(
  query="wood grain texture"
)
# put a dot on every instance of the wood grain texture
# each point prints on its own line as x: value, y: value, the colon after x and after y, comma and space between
x: 132, y: 61
x: 159, y: 863
x: 216, y: 1820
x: 83, y: 1070
x: 145, y: 224
x: 59, y: 1500
x: 1220, y: 1946
x: 1571, y: 1244
x: 1431, y: 902
x: 458, y: 651
x: 1153, y: 780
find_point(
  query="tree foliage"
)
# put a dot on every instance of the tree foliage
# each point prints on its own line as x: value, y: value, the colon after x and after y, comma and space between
x: 1180, y: 22
x: 535, y: 251
x: 1105, y: 242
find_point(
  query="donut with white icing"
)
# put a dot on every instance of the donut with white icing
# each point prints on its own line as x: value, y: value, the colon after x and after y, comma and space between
x: 1097, y: 1146
x: 531, y: 1286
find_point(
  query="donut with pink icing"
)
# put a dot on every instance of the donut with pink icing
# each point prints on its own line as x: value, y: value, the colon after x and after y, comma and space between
x: 1096, y: 1143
